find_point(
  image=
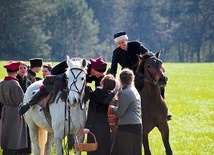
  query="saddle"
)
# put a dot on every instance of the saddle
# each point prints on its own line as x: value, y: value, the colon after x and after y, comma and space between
x: 44, y: 104
x: 44, y: 101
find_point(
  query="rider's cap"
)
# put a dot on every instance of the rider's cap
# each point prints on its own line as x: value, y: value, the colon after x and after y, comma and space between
x: 98, y: 64
x: 120, y: 36
x: 36, y: 62
x: 12, y: 66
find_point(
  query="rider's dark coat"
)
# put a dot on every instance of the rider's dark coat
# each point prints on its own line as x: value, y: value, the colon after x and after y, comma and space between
x: 127, y: 58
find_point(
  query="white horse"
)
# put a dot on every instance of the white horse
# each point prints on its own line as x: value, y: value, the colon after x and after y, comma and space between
x: 60, y: 111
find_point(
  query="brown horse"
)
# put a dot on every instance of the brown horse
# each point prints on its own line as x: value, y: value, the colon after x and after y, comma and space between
x: 154, y: 109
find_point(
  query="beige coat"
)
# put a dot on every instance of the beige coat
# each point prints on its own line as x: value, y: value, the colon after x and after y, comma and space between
x: 14, y: 129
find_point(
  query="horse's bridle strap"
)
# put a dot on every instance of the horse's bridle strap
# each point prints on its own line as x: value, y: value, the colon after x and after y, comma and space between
x: 75, y: 80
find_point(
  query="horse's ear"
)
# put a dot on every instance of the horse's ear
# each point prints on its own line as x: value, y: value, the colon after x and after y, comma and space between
x: 139, y: 57
x: 158, y: 53
x: 69, y: 63
x: 84, y: 62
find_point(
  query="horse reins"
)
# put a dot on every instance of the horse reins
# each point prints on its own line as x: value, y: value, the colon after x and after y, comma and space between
x: 75, y: 80
x: 151, y: 78
x: 77, y: 91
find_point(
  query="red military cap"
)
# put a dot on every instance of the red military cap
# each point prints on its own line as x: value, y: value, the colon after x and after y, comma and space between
x: 98, y: 64
x: 12, y: 66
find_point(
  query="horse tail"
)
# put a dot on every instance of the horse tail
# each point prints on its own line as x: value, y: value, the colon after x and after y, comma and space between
x: 42, y: 139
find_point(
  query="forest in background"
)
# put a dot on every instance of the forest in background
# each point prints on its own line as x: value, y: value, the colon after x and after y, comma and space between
x: 52, y: 29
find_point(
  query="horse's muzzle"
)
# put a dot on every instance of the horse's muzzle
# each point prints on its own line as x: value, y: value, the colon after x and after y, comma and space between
x: 162, y: 81
x: 73, y: 102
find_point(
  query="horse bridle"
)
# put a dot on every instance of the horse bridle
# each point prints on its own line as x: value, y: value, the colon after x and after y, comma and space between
x: 151, y: 78
x: 79, y: 91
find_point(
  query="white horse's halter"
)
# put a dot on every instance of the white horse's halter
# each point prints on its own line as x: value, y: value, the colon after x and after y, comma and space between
x: 79, y: 91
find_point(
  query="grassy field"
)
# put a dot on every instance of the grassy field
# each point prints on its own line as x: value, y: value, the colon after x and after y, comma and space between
x: 190, y: 99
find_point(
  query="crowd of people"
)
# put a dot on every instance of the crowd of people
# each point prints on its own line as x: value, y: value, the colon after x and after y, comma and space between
x: 14, y: 136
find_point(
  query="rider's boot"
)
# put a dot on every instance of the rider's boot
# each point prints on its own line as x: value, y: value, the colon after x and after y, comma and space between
x: 53, y: 97
x: 139, y: 82
x: 34, y: 99
x: 63, y: 88
x: 54, y: 92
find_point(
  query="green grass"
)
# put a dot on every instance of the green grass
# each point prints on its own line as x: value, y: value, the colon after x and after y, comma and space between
x: 190, y: 99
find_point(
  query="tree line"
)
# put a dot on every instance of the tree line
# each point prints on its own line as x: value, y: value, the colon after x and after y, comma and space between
x: 52, y: 29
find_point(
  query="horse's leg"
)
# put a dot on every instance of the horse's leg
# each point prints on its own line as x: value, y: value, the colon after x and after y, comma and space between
x: 49, y: 143
x: 164, y: 129
x: 146, y: 143
x: 58, y: 137
x: 42, y: 139
x: 80, y: 140
x: 34, y: 138
x: 78, y: 153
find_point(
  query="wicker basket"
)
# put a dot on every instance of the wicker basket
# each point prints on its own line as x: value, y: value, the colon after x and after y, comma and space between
x: 87, y: 146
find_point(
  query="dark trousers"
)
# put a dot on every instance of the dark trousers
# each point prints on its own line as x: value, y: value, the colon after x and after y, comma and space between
x: 13, y: 152
x: 9, y: 152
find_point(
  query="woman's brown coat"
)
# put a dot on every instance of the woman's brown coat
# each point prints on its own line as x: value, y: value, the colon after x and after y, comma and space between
x: 14, y: 130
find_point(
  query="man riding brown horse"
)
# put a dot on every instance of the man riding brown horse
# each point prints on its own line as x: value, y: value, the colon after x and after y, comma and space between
x: 126, y: 54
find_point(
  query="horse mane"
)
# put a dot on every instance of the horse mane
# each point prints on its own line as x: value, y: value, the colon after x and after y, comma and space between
x: 142, y: 59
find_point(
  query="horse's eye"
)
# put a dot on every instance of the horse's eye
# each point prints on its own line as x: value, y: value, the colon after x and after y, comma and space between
x: 148, y: 66
x: 82, y: 78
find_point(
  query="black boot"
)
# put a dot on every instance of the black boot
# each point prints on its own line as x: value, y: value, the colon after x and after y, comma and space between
x: 34, y: 99
x: 139, y: 81
x: 53, y: 97
x: 54, y: 92
x: 63, y: 88
x: 64, y: 94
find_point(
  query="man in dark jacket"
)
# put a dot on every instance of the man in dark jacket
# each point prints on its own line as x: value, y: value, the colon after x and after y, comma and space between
x: 126, y: 53
x: 35, y: 67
